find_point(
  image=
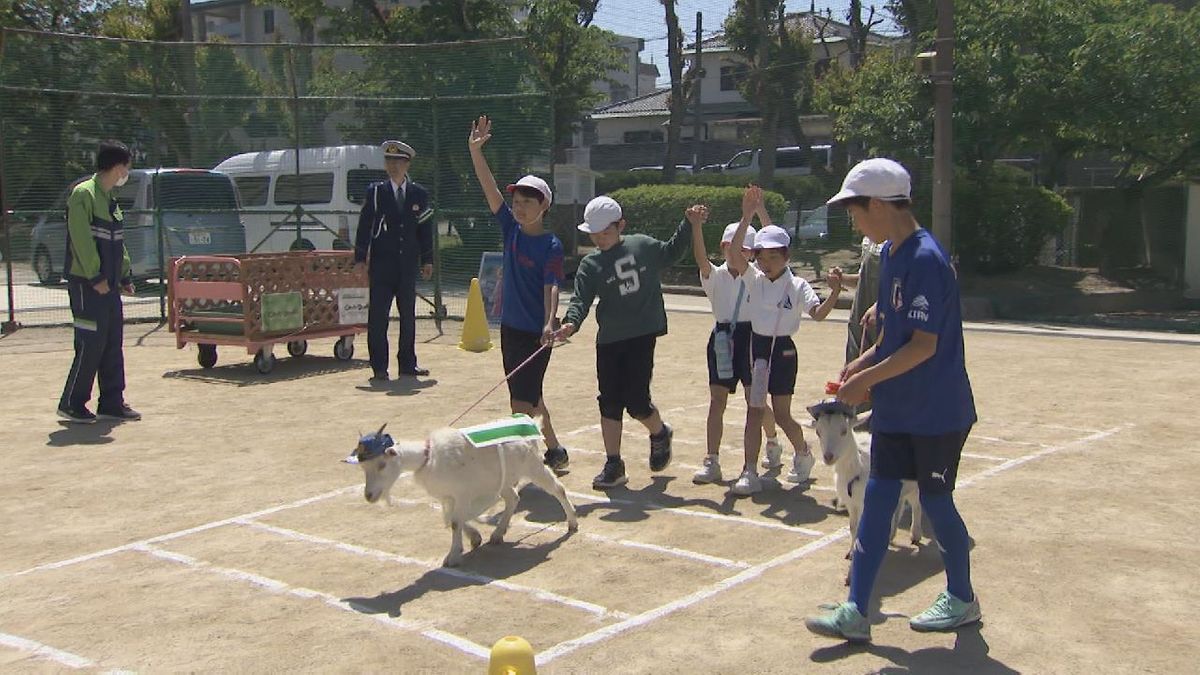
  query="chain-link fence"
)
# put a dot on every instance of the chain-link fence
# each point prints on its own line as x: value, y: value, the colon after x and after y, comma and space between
x: 251, y: 147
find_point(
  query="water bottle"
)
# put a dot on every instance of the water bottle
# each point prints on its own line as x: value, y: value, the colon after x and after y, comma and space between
x: 723, y: 350
x: 759, y: 377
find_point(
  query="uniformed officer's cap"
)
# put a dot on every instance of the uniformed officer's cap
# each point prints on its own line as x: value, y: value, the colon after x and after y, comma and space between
x: 398, y: 150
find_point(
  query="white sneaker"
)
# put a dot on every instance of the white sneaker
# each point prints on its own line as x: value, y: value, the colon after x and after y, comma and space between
x: 710, y: 472
x: 747, y: 484
x: 772, y: 454
x: 802, y: 466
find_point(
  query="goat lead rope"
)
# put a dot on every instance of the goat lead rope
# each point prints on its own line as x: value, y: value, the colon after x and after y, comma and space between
x: 497, y: 385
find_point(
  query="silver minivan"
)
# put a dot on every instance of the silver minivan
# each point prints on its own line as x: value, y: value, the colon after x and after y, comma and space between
x: 200, y: 216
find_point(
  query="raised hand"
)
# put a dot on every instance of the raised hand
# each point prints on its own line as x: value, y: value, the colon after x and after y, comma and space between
x: 481, y: 133
x: 751, y: 201
x: 697, y: 214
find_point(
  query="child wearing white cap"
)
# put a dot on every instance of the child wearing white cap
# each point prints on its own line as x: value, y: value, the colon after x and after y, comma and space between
x: 778, y: 297
x: 624, y: 273
x: 728, y: 351
x: 532, y: 274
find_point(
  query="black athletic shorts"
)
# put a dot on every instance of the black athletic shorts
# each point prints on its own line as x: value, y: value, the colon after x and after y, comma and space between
x: 782, y: 380
x: 741, y: 356
x: 932, y: 461
x: 516, y: 346
x: 624, y: 370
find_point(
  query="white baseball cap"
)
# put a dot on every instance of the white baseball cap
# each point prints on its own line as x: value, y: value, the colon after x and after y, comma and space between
x: 772, y: 236
x: 727, y: 235
x: 534, y: 183
x: 879, y: 178
x: 599, y: 214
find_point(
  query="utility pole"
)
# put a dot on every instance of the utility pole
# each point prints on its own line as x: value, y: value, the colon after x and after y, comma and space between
x: 697, y: 78
x: 943, y: 119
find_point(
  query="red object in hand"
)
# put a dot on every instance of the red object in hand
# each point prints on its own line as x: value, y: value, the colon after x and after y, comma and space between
x: 831, y: 387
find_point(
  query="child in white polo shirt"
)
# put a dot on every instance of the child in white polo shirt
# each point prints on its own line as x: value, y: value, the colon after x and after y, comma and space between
x: 778, y: 298
x: 728, y: 348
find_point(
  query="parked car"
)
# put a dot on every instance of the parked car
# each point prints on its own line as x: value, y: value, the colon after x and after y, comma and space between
x: 331, y: 186
x: 200, y: 216
x: 807, y: 224
x: 789, y: 161
x: 685, y: 168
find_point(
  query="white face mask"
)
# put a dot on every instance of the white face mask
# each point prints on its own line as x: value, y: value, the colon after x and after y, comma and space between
x: 122, y: 180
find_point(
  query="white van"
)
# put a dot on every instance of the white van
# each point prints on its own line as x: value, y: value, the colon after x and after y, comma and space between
x: 330, y: 187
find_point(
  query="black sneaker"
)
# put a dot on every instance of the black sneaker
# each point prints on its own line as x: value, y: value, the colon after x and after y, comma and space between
x: 660, y: 448
x: 612, y: 475
x: 80, y: 415
x: 557, y: 459
x: 379, y: 377
x: 125, y: 414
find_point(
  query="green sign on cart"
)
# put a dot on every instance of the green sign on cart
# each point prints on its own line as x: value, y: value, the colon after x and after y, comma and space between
x: 282, y: 312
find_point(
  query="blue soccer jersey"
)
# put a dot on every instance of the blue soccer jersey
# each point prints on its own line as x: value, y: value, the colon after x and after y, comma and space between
x: 918, y: 291
x: 530, y: 264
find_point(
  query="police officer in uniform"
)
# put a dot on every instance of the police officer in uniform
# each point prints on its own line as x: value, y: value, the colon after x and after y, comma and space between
x: 395, y: 238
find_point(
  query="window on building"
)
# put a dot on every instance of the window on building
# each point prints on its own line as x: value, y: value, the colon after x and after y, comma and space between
x: 732, y: 75
x: 268, y: 21
x: 311, y: 188
x: 643, y: 136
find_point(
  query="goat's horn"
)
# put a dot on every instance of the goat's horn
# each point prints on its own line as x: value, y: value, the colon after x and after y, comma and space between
x: 380, y: 432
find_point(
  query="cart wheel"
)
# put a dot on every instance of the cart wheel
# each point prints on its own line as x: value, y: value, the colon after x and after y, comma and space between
x: 298, y: 347
x: 343, y: 349
x: 264, y: 361
x: 207, y: 355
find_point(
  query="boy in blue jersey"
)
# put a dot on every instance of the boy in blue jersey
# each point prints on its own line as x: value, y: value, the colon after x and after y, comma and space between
x: 532, y: 274
x: 921, y: 395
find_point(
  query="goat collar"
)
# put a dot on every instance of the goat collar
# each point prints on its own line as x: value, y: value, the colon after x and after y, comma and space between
x: 425, y: 458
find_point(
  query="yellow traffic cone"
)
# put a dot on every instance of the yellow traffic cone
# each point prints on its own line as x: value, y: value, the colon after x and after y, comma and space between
x: 512, y: 655
x: 475, y: 335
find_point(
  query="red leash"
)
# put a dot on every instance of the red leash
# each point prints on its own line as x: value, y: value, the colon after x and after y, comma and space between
x: 497, y: 386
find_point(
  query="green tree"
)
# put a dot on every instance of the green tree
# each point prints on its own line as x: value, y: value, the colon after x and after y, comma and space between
x: 779, y: 79
x: 1138, y: 89
x: 571, y: 54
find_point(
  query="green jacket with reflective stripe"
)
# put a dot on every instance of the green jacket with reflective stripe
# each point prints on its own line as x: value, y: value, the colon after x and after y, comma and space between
x: 96, y: 236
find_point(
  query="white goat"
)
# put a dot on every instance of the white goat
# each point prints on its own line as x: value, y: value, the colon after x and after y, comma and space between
x: 834, y: 424
x: 466, y: 480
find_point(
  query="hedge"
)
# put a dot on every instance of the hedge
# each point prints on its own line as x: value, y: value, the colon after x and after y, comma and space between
x: 801, y: 191
x: 657, y: 209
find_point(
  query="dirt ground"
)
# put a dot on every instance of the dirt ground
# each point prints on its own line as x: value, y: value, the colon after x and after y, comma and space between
x: 222, y: 534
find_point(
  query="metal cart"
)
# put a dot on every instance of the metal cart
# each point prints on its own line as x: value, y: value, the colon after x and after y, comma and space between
x: 257, y: 300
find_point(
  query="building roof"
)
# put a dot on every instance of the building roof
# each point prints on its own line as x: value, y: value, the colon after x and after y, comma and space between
x: 647, y: 104
x: 814, y: 24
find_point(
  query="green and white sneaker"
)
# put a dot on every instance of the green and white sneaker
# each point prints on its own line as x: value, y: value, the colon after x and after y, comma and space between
x: 841, y: 621
x: 947, y: 613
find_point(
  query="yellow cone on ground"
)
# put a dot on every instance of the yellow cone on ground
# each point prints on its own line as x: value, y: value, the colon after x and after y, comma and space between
x: 512, y: 655
x: 475, y: 335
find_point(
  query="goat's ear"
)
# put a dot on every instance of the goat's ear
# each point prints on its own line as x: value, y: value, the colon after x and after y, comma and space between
x: 380, y: 432
x: 392, y: 452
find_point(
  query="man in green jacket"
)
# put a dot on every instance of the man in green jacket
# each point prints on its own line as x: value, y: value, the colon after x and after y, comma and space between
x: 97, y: 267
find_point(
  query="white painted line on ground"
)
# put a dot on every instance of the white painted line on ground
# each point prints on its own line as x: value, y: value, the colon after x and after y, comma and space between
x: 274, y: 586
x: 40, y: 651
x: 651, y: 506
x: 667, y: 550
x: 183, y: 533
x: 1005, y: 441
x: 1013, y: 463
x: 436, y: 567
x: 661, y: 611
x: 989, y: 458
x: 520, y: 521
x: 751, y: 573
